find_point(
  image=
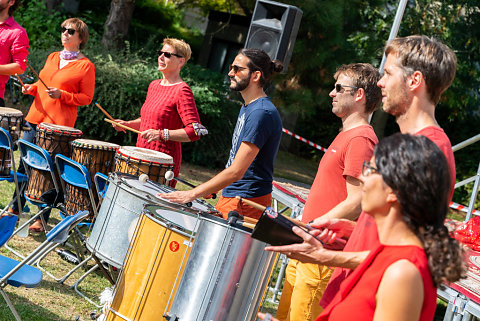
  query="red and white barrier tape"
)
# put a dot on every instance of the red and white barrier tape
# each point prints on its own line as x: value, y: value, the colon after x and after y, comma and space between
x: 462, y: 208
x: 304, y: 140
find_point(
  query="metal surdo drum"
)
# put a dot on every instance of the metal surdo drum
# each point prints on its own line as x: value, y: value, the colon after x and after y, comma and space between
x: 96, y: 156
x: 154, y: 264
x: 121, y: 207
x: 137, y: 161
x: 55, y: 139
x: 226, y: 274
x: 11, y: 120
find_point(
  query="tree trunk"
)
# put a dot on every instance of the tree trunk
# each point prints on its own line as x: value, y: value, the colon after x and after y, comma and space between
x: 52, y: 5
x: 115, y: 29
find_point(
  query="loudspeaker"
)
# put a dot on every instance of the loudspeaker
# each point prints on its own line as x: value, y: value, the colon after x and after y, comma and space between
x: 274, y: 28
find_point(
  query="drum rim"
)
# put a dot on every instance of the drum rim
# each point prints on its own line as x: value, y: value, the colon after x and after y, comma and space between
x: 12, y: 111
x: 169, y: 224
x: 221, y: 221
x: 75, y: 132
x: 141, y: 161
x: 111, y: 147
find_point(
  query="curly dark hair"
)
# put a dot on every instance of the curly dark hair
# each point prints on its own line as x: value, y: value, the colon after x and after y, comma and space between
x: 260, y: 60
x: 417, y: 171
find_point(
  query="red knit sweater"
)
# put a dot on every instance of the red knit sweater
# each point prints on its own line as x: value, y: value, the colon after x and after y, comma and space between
x: 171, y: 107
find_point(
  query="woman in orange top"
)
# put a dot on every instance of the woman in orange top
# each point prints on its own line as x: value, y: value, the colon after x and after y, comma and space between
x: 70, y: 78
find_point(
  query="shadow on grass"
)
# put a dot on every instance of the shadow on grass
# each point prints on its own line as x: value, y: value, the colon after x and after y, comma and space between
x: 26, y: 309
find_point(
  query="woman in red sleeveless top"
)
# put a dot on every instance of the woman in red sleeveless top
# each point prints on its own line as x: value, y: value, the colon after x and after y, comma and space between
x: 169, y: 115
x: 406, y: 191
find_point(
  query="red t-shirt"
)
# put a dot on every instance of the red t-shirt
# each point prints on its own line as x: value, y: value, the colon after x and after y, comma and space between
x: 365, y: 236
x: 344, y: 157
x: 171, y: 107
x: 356, y: 299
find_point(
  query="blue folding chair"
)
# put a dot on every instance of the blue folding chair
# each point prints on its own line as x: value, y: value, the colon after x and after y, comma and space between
x: 16, y: 273
x: 74, y: 173
x: 6, y: 143
x: 101, y: 183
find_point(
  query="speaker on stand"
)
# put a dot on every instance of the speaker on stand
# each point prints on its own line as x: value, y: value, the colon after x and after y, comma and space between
x: 274, y: 28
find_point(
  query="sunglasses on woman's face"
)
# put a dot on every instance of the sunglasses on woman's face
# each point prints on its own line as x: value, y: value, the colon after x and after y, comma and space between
x: 71, y: 32
x: 167, y: 54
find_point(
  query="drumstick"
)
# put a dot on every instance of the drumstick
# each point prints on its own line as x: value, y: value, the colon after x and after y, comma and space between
x: 123, y: 126
x: 33, y: 70
x: 263, y: 208
x: 21, y: 82
x: 104, y: 111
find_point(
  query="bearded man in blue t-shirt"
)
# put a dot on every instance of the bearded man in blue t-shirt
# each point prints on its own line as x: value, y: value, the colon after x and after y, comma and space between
x: 255, y: 141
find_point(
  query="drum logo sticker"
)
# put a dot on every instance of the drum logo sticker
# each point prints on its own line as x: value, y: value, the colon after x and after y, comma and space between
x: 174, y: 246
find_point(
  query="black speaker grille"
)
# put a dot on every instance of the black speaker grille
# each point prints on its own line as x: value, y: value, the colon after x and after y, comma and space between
x: 265, y: 39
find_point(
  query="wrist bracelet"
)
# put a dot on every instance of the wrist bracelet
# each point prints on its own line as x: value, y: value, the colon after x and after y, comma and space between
x: 166, y: 134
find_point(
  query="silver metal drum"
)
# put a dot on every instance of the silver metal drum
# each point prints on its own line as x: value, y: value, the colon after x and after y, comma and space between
x: 119, y: 213
x: 225, y: 277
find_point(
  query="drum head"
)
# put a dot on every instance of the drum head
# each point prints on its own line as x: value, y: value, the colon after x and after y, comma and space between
x: 152, y: 188
x: 59, y: 129
x: 6, y: 111
x: 94, y: 144
x: 145, y: 154
x: 185, y: 222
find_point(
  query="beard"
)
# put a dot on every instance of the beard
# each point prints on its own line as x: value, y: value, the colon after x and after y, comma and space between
x: 240, y: 85
x: 397, y: 104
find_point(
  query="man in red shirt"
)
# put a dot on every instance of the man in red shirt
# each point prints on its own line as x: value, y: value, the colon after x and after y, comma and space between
x: 13, y: 45
x: 336, y: 191
x: 418, y: 70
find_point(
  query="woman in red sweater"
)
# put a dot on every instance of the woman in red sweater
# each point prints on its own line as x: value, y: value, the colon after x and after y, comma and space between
x: 70, y: 77
x: 169, y: 115
x: 406, y: 188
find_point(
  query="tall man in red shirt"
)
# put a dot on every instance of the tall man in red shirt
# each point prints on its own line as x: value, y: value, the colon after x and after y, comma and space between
x: 418, y: 70
x: 336, y: 191
x: 13, y: 45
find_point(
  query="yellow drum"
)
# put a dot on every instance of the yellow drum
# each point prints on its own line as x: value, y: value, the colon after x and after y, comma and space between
x: 154, y: 264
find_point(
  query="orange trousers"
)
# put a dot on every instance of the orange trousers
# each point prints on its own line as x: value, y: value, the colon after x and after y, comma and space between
x: 227, y: 204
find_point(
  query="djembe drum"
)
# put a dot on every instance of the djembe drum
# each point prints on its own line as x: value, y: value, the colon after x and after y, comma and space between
x: 11, y: 120
x: 96, y: 156
x: 55, y: 139
x: 137, y: 161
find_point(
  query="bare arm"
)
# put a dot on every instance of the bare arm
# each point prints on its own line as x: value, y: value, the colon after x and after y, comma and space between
x: 245, y: 156
x: 177, y: 135
x: 312, y: 251
x: 135, y: 124
x: 11, y: 69
x: 400, y: 294
x: 350, y: 208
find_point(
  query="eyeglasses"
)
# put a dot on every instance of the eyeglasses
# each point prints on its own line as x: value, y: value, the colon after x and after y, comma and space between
x: 368, y: 169
x: 167, y: 54
x: 71, y: 32
x: 235, y: 68
x: 338, y: 87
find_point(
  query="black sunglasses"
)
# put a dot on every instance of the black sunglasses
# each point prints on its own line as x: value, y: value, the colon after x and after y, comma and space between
x: 168, y: 54
x: 71, y: 32
x: 338, y: 87
x: 235, y: 68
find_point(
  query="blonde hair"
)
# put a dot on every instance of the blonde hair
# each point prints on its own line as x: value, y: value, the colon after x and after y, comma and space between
x: 80, y: 27
x: 181, y: 47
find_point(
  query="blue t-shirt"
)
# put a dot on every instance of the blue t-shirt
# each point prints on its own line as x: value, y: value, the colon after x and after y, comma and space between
x: 258, y: 123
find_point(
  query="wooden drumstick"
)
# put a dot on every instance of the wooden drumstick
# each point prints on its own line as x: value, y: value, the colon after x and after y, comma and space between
x: 33, y: 70
x: 21, y: 82
x: 123, y: 126
x: 104, y: 111
x: 263, y: 208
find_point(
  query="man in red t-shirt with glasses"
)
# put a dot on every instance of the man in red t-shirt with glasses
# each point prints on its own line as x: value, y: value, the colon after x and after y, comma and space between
x: 417, y: 71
